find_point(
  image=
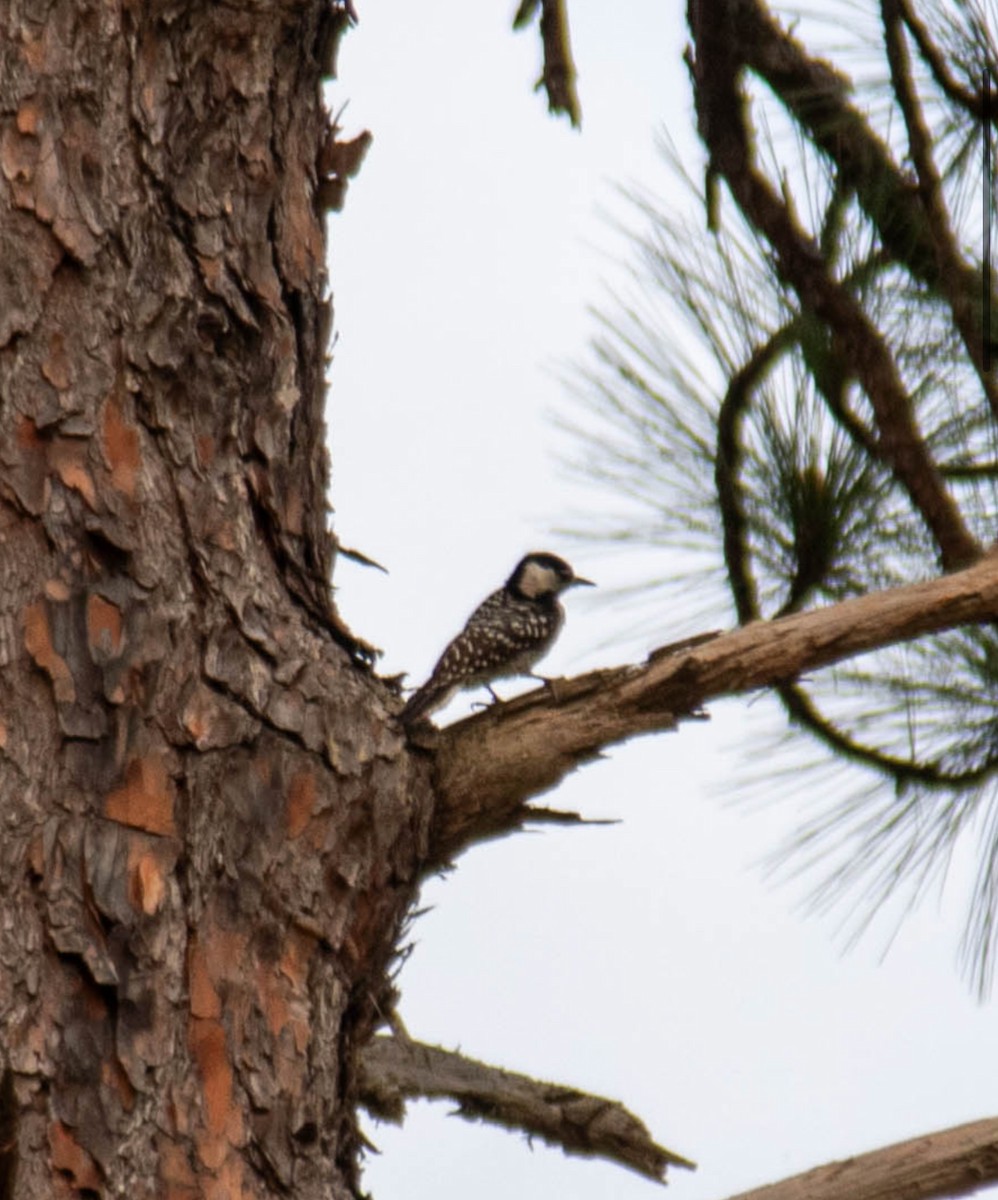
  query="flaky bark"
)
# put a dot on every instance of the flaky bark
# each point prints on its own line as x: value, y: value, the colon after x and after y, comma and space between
x: 489, y: 766
x: 210, y: 832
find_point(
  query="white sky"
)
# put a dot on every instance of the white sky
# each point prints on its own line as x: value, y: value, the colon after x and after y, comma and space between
x: 649, y: 961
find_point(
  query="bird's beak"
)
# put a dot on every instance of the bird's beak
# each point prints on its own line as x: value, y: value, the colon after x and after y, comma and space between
x: 578, y: 580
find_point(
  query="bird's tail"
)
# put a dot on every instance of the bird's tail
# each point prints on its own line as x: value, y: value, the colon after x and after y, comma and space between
x: 424, y: 701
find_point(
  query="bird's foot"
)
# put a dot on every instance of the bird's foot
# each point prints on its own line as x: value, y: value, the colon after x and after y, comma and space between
x: 496, y: 699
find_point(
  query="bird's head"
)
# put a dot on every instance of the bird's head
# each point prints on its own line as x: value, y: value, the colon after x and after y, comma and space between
x: 541, y: 574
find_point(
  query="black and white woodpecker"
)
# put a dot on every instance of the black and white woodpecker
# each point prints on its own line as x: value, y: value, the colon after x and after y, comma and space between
x: 506, y: 635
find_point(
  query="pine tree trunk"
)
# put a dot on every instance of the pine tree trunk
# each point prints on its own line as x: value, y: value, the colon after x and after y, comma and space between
x: 209, y: 832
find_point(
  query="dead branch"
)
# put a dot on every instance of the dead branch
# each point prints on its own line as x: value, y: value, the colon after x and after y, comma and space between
x: 953, y: 1162
x: 395, y: 1069
x: 490, y: 765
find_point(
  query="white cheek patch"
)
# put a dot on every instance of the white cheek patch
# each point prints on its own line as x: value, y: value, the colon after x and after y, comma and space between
x: 536, y: 580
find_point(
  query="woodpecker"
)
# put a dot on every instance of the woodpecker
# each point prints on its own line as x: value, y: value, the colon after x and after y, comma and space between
x: 506, y: 635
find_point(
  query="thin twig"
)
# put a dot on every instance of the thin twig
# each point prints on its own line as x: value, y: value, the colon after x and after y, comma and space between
x: 954, y: 279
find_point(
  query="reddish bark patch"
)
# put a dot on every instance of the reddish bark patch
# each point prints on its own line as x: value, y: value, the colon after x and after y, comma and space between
x: 57, y: 367
x: 283, y: 999
x: 207, y: 1040
x: 36, y: 855
x: 215, y: 956
x: 226, y: 950
x: 18, y: 161
x: 301, y: 802
x: 68, y: 458
x: 103, y: 625
x: 27, y: 435
x: 204, y: 999
x: 297, y: 958
x: 199, y: 715
x: 114, y: 1079
x: 28, y: 118
x: 28, y: 475
x: 38, y: 643
x: 121, y: 449
x: 223, y: 1118
x: 145, y: 801
x: 212, y: 268
x: 148, y: 879
x: 272, y: 997
x: 295, y: 963
x: 229, y: 1183
x: 69, y: 1156
x: 175, y: 1174
x: 206, y: 449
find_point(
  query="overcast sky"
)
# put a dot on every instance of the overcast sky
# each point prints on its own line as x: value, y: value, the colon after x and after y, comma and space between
x: 650, y: 961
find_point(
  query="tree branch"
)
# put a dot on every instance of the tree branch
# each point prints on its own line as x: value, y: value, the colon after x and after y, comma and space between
x: 394, y: 1069
x: 956, y: 281
x: 953, y: 1162
x: 559, y: 74
x: 816, y: 95
x: 971, y: 101
x: 727, y: 468
x: 723, y: 124
x: 488, y: 766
